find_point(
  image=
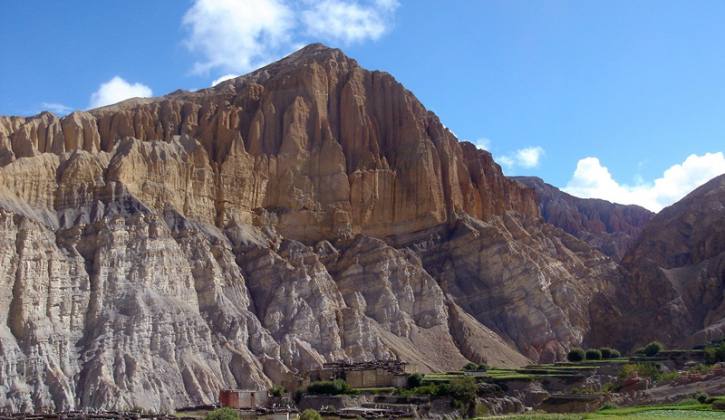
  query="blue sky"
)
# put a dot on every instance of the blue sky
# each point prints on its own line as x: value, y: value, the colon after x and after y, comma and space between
x: 615, y: 99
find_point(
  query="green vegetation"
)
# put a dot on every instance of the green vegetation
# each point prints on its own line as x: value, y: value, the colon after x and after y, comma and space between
x: 415, y: 380
x: 277, y: 391
x: 336, y: 387
x: 462, y: 391
x: 576, y: 355
x: 643, y: 370
x: 593, y: 354
x: 609, y: 353
x: 687, y: 410
x: 225, y: 413
x: 714, y: 354
x: 472, y: 367
x: 310, y: 414
x: 653, y: 348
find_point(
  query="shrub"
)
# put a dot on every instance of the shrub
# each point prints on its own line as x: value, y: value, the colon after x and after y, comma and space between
x: 336, y: 387
x: 310, y: 414
x: 593, y: 354
x: 224, y: 413
x: 576, y: 355
x: 701, y: 397
x: 470, y: 366
x: 415, y: 380
x: 482, y: 367
x: 643, y: 370
x: 609, y: 353
x: 710, y: 354
x: 277, y: 391
x: 461, y: 390
x: 653, y: 348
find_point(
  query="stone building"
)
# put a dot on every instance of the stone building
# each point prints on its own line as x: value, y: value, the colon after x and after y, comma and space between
x: 375, y: 374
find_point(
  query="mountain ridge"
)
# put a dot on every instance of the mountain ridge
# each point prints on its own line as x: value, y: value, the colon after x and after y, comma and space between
x: 158, y: 250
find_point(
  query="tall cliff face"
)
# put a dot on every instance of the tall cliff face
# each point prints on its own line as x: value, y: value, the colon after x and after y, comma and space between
x: 612, y: 228
x: 160, y: 249
x: 337, y: 149
x: 675, y: 290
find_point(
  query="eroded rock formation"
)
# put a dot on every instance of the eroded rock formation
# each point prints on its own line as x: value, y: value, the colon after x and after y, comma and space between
x: 157, y: 250
x: 610, y: 227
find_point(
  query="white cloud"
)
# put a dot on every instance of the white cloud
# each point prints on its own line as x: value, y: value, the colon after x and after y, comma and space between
x: 116, y: 90
x: 223, y: 79
x: 56, y: 108
x: 237, y: 35
x: 347, y: 21
x: 591, y: 179
x: 240, y: 35
x: 528, y: 157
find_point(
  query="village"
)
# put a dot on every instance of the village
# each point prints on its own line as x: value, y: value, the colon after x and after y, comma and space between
x: 595, y: 380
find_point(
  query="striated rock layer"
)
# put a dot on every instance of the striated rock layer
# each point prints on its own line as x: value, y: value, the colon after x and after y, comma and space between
x: 610, y: 227
x: 157, y: 250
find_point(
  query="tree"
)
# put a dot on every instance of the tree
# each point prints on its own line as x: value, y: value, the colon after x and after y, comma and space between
x: 415, y: 380
x: 310, y: 414
x: 224, y: 413
x: 470, y: 366
x: 338, y: 386
x: 277, y: 391
x: 609, y: 353
x: 653, y: 348
x: 461, y: 390
x: 593, y: 354
x: 576, y: 355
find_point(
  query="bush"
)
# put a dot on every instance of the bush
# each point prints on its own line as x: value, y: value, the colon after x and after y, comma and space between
x: 277, y: 391
x: 415, y: 380
x: 470, y: 366
x: 643, y: 370
x: 576, y: 355
x: 701, y: 397
x: 336, y: 387
x: 610, y: 353
x: 593, y: 354
x: 225, y: 413
x: 482, y: 367
x: 653, y: 348
x: 310, y: 414
x: 461, y: 390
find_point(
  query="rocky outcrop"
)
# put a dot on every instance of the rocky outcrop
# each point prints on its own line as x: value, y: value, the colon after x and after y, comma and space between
x: 524, y: 279
x: 158, y: 250
x: 612, y: 228
x: 676, y: 270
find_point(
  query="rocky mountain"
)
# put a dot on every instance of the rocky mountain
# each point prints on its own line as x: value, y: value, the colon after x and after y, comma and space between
x: 157, y: 250
x: 676, y: 286
x: 612, y: 228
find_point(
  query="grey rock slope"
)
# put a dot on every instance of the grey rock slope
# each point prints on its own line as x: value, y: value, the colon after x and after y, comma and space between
x: 610, y: 227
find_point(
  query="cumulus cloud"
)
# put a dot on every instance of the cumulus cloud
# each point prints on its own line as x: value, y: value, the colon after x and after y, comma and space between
x: 591, y: 179
x: 55, y: 108
x: 347, y: 21
x: 236, y: 35
x: 240, y: 35
x: 528, y: 157
x: 116, y: 90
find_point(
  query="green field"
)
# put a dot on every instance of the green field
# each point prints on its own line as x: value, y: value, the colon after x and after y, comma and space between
x: 687, y: 410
